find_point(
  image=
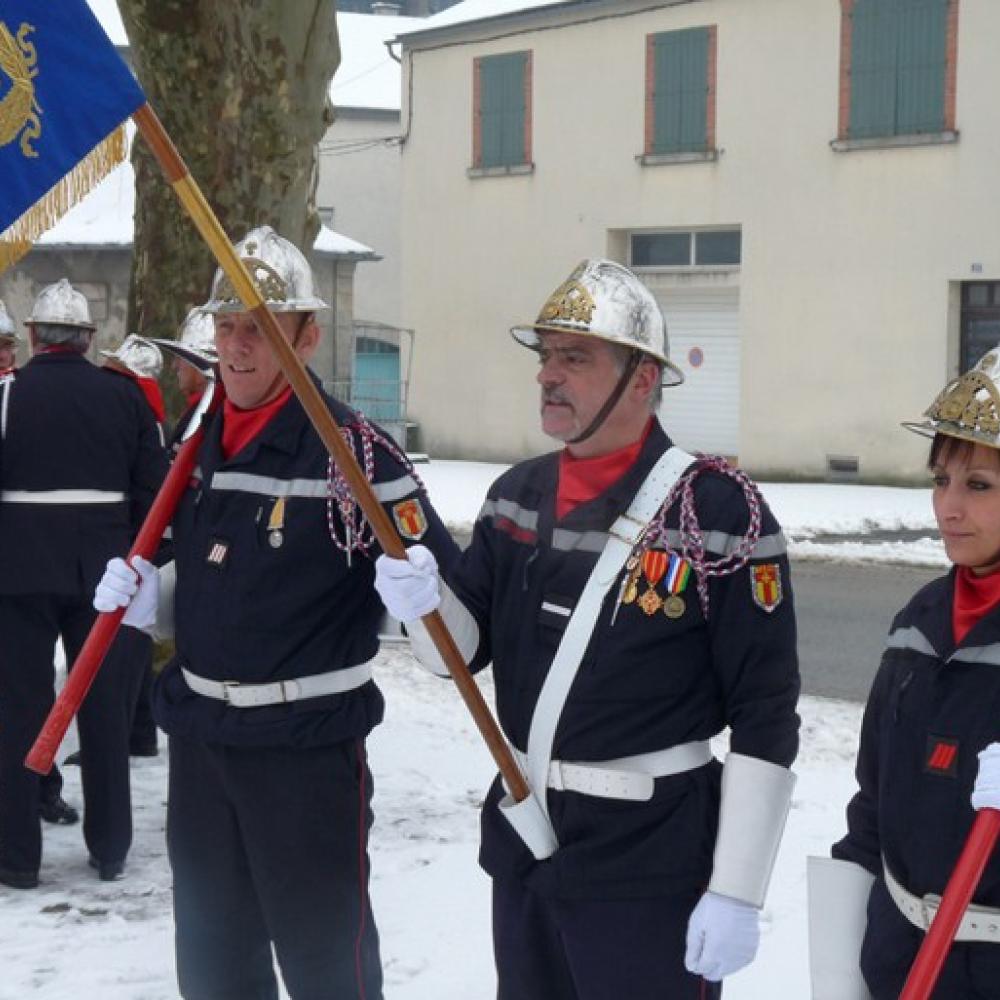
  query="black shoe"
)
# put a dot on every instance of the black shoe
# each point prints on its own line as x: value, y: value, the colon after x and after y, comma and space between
x: 143, y: 749
x: 18, y: 880
x: 73, y: 760
x: 108, y: 871
x: 58, y: 810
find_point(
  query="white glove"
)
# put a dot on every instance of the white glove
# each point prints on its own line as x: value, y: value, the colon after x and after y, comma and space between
x: 986, y: 790
x: 136, y: 589
x: 409, y: 588
x: 722, y: 936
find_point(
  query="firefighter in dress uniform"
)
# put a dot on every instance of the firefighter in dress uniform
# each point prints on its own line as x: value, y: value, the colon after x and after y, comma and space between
x: 634, y: 601
x: 928, y: 740
x: 52, y: 807
x: 270, y: 697
x: 193, y: 359
x: 80, y: 463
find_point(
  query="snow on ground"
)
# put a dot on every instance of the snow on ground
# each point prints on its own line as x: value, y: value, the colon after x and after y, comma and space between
x: 81, y: 938
x: 78, y: 937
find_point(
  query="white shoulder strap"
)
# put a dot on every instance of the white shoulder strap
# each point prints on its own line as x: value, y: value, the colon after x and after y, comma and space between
x: 6, y: 382
x: 622, y: 537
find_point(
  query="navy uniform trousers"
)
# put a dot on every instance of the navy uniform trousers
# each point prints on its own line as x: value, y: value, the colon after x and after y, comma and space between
x: 30, y: 625
x: 592, y: 949
x: 277, y: 832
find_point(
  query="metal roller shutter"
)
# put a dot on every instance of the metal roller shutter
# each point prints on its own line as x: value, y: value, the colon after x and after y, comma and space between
x: 703, y: 414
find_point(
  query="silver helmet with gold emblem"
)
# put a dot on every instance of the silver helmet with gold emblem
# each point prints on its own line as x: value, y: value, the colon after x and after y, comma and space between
x: 61, y: 304
x: 280, y: 270
x: 136, y: 355
x: 604, y: 299
x: 195, y: 341
x: 968, y: 407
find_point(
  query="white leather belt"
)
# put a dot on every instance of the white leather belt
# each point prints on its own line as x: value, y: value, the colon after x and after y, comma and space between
x: 62, y: 496
x: 628, y: 778
x: 978, y: 923
x: 277, y: 692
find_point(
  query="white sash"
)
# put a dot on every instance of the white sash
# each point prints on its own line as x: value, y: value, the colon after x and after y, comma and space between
x: 622, y: 537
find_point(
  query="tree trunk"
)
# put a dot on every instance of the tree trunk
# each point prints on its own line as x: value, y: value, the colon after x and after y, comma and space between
x: 242, y: 88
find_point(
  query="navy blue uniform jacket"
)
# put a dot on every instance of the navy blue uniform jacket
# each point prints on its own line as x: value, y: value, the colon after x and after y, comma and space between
x: 250, y: 611
x: 645, y: 683
x: 912, y: 807
x: 73, y: 426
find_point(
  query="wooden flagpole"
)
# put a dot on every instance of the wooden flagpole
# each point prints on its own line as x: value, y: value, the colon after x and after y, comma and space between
x: 208, y: 225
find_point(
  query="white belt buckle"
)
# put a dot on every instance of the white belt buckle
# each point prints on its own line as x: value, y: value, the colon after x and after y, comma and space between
x: 226, y: 685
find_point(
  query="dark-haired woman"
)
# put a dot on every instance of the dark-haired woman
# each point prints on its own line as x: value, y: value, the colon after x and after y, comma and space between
x: 929, y: 755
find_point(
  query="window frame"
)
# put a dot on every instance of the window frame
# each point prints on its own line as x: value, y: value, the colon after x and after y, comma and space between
x: 948, y: 132
x: 654, y: 152
x: 526, y: 165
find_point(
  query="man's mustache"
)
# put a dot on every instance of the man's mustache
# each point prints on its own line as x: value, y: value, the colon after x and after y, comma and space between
x: 554, y: 396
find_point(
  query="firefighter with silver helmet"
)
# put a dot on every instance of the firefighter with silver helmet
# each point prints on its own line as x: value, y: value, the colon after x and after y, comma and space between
x: 929, y: 752
x: 193, y: 359
x: 53, y: 808
x: 634, y: 601
x: 270, y: 697
x: 81, y: 464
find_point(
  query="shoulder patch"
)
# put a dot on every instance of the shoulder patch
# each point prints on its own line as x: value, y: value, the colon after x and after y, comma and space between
x: 765, y: 585
x: 410, y: 519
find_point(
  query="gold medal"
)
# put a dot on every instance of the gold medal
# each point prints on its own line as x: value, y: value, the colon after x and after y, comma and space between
x: 631, y: 591
x: 651, y: 602
x: 674, y: 606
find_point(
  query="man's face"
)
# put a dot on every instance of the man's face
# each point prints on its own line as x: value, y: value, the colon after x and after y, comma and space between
x: 250, y: 371
x: 577, y: 375
x: 7, y: 350
x: 189, y: 379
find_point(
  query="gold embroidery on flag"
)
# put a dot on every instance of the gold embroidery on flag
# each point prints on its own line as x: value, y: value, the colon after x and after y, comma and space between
x: 18, y: 110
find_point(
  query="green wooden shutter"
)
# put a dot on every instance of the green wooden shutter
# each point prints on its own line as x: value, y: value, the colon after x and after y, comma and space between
x: 502, y: 106
x: 898, y: 65
x: 680, y: 96
x: 923, y: 31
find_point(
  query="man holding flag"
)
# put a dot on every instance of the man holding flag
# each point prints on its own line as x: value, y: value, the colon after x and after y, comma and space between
x: 270, y: 696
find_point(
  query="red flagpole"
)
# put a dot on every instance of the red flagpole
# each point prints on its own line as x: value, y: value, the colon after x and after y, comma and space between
x: 102, y: 633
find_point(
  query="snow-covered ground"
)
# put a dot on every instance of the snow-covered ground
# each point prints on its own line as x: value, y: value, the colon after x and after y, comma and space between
x: 76, y: 937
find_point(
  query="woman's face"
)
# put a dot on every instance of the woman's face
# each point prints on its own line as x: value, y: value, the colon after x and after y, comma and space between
x: 967, y: 505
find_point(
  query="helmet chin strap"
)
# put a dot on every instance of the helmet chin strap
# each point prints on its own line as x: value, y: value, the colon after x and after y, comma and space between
x: 612, y: 401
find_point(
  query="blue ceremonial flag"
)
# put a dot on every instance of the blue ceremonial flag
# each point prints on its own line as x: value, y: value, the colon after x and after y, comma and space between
x: 64, y: 96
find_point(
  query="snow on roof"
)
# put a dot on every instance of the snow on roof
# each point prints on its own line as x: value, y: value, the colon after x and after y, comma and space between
x: 368, y: 77
x: 475, y: 10
x: 105, y: 219
x: 107, y: 13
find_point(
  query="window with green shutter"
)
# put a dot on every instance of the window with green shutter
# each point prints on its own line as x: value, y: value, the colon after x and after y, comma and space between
x: 502, y: 112
x: 680, y: 89
x: 898, y: 67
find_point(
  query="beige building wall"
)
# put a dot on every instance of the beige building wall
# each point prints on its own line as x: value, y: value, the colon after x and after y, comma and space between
x: 851, y: 261
x: 359, y: 180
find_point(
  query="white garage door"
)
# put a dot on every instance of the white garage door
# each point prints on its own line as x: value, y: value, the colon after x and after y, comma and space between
x: 703, y: 414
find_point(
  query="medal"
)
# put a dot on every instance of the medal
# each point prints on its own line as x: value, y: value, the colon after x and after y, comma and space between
x: 674, y: 606
x: 677, y: 576
x: 653, y: 565
x: 275, y: 523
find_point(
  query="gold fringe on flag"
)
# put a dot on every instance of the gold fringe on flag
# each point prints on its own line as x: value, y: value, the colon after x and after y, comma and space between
x: 17, y: 239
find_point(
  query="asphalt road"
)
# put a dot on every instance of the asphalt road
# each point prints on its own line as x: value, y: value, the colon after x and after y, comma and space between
x: 844, y: 612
